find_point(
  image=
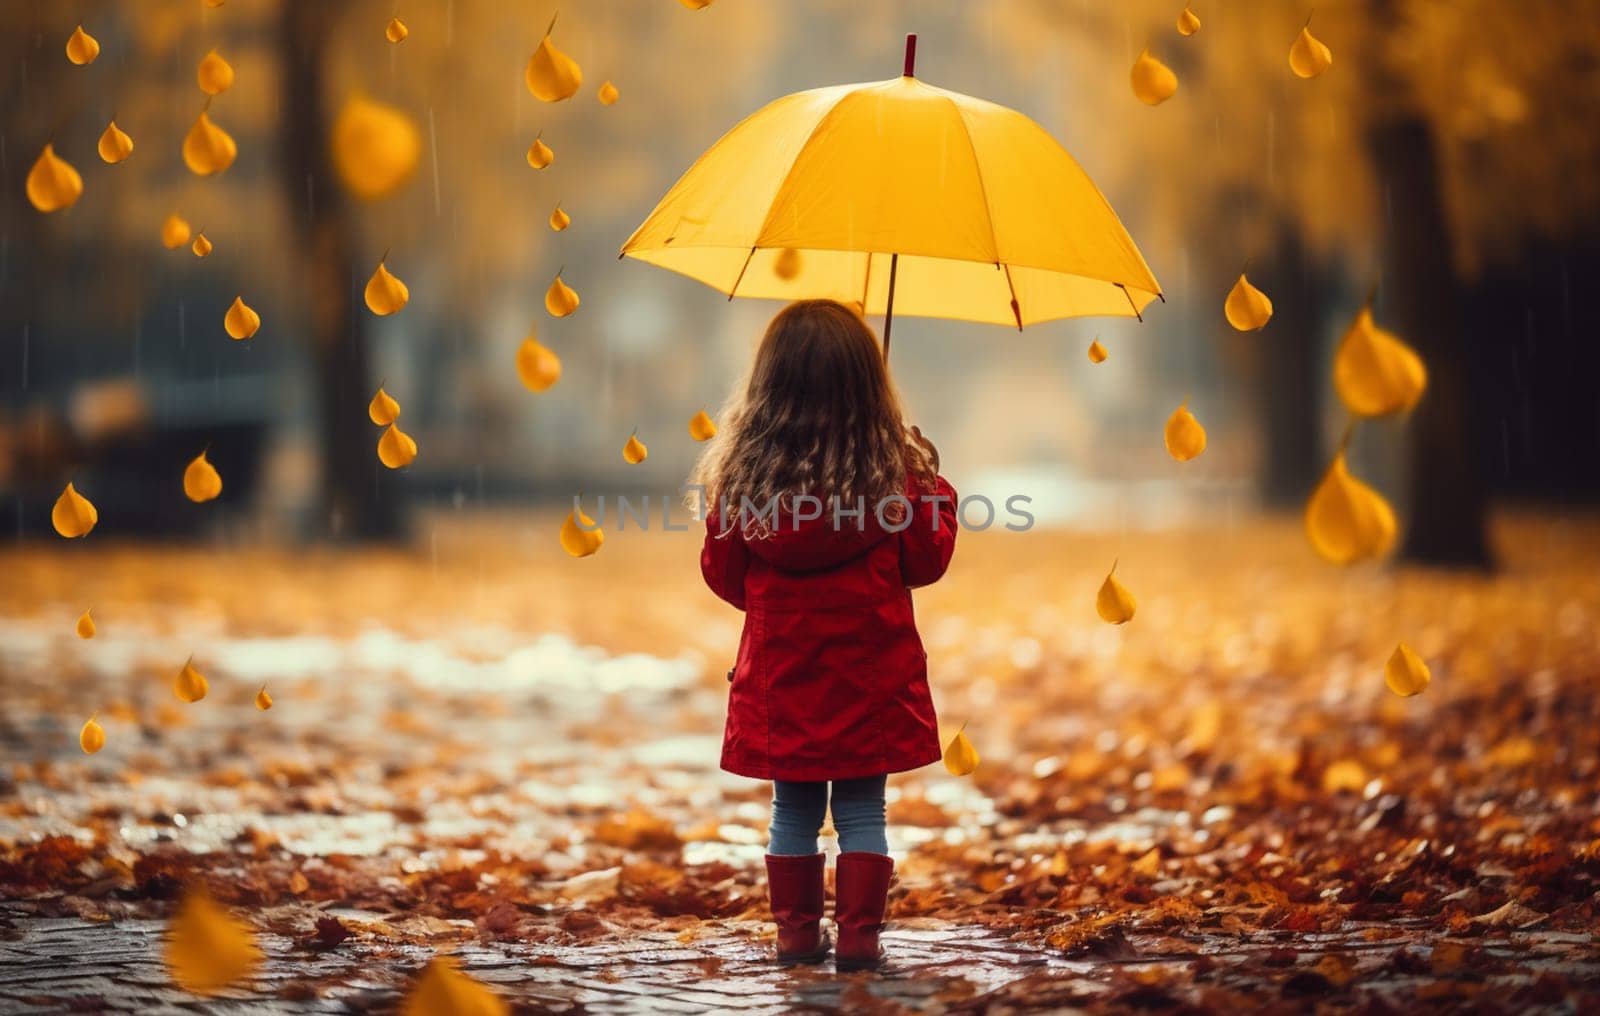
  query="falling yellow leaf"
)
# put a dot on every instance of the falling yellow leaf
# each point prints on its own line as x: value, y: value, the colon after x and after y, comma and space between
x: 207, y: 148
x: 540, y: 154
x: 960, y: 757
x: 537, y: 365
x: 241, y: 321
x: 1405, y: 673
x: 215, y: 75
x: 1114, y: 603
x: 396, y: 449
x: 581, y: 535
x: 385, y: 293
x: 1346, y: 520
x: 1184, y: 436
x: 552, y: 75
x: 607, y: 94
x: 1374, y: 372
x: 1188, y: 22
x: 201, y: 482
x: 559, y: 219
x: 634, y: 450
x: 443, y: 990
x: 174, y: 231
x: 73, y: 515
x: 190, y: 685
x: 82, y: 47
x: 92, y: 737
x: 702, y: 427
x: 207, y: 948
x: 1097, y: 352
x: 696, y: 5
x: 375, y: 148
x: 1344, y: 776
x: 215, y: 3
x: 114, y: 145
x: 560, y: 299
x: 201, y: 245
x: 263, y: 700
x: 396, y: 30
x: 1308, y: 57
x: 52, y: 182
x: 1246, y: 308
x: 786, y: 265
x: 1153, y: 81
x: 383, y: 409
x: 85, y: 626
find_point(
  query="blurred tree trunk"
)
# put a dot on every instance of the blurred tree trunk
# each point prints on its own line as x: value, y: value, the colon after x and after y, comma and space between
x: 353, y: 504
x: 1424, y: 298
x: 1290, y: 379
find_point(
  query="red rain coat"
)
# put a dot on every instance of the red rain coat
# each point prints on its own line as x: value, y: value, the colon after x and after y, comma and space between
x: 831, y: 680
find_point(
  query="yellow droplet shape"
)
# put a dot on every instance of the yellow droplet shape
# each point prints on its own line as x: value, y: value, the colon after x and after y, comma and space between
x: 1153, y: 81
x: 443, y: 990
x: 581, y: 540
x: 1184, y: 436
x: 559, y: 219
x: 1188, y: 22
x: 383, y: 409
x: 1406, y: 674
x: 174, y: 231
x: 207, y: 948
x: 1114, y: 603
x: 560, y: 299
x: 1374, y: 372
x: 52, y: 182
x: 114, y: 144
x: 634, y: 451
x: 960, y: 757
x: 241, y: 321
x: 540, y: 154
x: 92, y: 737
x: 1246, y: 308
x: 375, y: 148
x: 214, y: 75
x: 201, y: 481
x: 82, y: 47
x: 207, y: 148
x: 1346, y: 520
x: 786, y: 265
x: 702, y: 427
x: 396, y: 449
x: 552, y: 75
x: 607, y: 94
x: 396, y: 30
x: 385, y: 293
x: 263, y: 700
x: 1097, y: 352
x: 73, y: 515
x: 201, y: 245
x: 537, y: 365
x: 190, y: 685
x: 1308, y: 57
x: 85, y: 626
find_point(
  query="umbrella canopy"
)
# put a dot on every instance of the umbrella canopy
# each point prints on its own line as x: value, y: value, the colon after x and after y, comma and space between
x: 900, y: 197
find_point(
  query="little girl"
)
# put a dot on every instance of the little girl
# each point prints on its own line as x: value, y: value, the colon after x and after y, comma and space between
x: 824, y: 510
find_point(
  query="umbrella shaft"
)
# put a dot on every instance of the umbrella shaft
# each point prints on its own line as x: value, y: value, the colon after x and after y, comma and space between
x: 888, y: 309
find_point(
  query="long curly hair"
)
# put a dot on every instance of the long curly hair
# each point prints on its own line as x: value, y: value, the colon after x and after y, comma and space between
x: 817, y: 415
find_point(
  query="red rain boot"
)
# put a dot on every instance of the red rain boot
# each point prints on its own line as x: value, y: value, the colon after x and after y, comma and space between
x: 862, y: 890
x: 794, y: 885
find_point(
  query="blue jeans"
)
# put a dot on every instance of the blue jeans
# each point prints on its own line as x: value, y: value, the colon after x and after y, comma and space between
x: 858, y: 815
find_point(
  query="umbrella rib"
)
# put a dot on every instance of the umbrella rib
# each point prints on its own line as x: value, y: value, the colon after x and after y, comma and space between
x: 1016, y: 308
x: 742, y: 269
x: 977, y: 167
x: 1131, y: 303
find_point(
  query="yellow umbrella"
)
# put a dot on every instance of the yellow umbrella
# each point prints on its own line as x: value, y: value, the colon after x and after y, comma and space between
x: 899, y: 196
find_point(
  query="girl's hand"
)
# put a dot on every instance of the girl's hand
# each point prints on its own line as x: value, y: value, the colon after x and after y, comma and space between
x: 927, y: 446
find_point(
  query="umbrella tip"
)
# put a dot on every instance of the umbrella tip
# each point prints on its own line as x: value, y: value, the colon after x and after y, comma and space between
x: 911, y: 55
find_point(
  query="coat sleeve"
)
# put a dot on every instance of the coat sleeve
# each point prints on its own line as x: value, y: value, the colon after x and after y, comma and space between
x: 927, y: 543
x: 723, y: 561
